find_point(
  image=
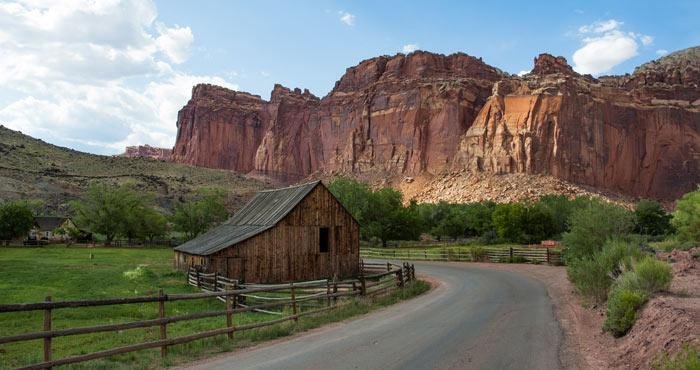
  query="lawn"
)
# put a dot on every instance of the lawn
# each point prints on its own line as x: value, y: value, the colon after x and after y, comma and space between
x: 31, y: 274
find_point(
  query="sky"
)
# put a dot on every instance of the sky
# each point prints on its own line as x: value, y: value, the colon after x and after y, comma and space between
x: 97, y: 76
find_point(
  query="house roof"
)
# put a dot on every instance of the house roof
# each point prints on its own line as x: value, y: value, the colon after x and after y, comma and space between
x: 263, y: 212
x: 49, y: 223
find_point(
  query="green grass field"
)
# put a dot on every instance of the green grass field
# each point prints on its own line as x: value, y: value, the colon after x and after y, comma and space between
x: 31, y: 274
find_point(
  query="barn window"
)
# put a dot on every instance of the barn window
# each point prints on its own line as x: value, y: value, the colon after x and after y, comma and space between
x: 323, y: 244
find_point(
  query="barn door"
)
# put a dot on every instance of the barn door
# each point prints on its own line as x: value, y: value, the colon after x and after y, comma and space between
x: 235, y: 268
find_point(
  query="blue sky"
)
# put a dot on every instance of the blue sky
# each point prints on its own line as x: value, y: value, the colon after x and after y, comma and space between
x: 97, y: 77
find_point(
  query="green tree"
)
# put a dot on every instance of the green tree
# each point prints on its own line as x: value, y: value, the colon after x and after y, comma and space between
x: 537, y: 224
x: 353, y: 195
x: 651, y: 218
x: 508, y: 221
x: 113, y: 211
x: 686, y: 218
x: 198, y: 215
x: 16, y: 219
x: 592, y: 225
x: 153, y: 224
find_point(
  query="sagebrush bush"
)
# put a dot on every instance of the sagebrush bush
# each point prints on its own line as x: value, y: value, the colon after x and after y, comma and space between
x: 652, y: 275
x: 623, y: 304
x: 594, y: 276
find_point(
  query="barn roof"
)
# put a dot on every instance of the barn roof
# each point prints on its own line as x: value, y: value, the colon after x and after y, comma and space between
x: 49, y: 223
x: 263, y: 212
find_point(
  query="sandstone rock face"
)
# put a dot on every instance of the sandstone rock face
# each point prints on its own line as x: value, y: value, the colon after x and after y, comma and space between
x: 424, y: 115
x: 147, y: 151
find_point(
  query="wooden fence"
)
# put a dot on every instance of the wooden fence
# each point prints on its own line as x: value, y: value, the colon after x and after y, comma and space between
x: 531, y: 255
x: 304, y: 298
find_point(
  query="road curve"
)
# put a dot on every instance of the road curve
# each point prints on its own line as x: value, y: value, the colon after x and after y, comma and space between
x: 476, y: 318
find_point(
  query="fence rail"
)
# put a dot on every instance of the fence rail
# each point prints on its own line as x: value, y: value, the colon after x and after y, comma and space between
x: 304, y: 298
x: 532, y: 255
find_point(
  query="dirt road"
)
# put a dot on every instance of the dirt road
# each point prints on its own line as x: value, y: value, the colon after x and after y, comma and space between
x: 476, y: 318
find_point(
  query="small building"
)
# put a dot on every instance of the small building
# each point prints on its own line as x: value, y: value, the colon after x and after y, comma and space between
x: 291, y: 234
x: 45, y: 226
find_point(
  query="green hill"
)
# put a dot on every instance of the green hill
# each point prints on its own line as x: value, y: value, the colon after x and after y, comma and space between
x: 33, y: 169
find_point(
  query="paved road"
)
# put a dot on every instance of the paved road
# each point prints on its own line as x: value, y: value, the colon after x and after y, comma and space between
x: 476, y: 319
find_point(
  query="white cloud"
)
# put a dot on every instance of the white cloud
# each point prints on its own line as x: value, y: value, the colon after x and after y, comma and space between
x: 347, y: 18
x: 76, y: 73
x: 175, y: 42
x: 409, y: 48
x: 523, y: 73
x: 601, y: 27
x: 605, y: 45
x: 662, y: 52
x: 265, y: 73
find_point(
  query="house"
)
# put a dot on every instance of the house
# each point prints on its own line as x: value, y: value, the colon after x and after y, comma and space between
x: 45, y: 226
x: 291, y: 234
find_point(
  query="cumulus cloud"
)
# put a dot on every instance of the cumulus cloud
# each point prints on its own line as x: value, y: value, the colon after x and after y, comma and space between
x: 409, y: 48
x: 347, y: 18
x: 662, y: 52
x: 605, y: 45
x: 74, y: 73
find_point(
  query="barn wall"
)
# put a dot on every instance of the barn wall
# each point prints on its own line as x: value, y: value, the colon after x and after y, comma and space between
x: 290, y: 251
x: 184, y: 261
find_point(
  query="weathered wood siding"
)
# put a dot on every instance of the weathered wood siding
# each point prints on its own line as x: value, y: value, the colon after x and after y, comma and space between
x: 290, y: 250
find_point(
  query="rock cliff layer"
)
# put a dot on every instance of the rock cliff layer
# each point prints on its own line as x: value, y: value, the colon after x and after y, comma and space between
x: 427, y: 115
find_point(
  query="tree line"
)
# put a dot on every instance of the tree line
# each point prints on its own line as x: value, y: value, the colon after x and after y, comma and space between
x: 383, y: 216
x: 124, y: 212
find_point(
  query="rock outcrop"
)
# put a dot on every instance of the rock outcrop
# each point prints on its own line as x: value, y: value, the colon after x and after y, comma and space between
x: 147, y: 151
x: 427, y: 115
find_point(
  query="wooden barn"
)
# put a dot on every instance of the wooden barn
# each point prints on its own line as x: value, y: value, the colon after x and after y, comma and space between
x: 291, y: 234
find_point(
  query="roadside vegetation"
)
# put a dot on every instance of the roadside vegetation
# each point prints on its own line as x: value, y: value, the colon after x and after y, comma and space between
x: 89, y: 273
x: 610, y: 254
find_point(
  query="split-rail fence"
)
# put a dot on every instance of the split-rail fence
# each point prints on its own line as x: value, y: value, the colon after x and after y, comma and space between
x: 376, y: 278
x: 511, y: 254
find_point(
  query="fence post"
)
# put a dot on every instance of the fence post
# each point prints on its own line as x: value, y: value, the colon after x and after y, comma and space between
x: 328, y: 292
x: 294, y: 303
x: 47, y: 327
x: 399, y: 277
x: 413, y: 271
x: 547, y: 249
x: 161, y: 315
x: 510, y: 249
x: 230, y: 301
x: 216, y: 278
x: 335, y: 290
x: 388, y: 265
x: 199, y: 283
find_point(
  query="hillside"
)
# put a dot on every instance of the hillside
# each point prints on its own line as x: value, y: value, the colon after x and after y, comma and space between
x: 34, y: 169
x: 424, y: 117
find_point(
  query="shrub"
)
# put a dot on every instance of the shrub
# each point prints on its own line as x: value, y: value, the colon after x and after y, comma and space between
x: 672, y: 243
x: 651, y: 218
x: 622, y: 310
x: 686, y: 218
x: 478, y: 254
x: 592, y: 225
x: 687, y: 359
x: 590, y: 277
x: 594, y: 276
x: 652, y: 275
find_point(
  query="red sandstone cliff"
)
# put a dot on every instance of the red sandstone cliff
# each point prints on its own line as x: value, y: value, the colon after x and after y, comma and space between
x: 427, y: 114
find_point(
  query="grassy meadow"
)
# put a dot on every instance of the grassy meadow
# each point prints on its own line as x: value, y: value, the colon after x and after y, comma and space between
x: 31, y: 274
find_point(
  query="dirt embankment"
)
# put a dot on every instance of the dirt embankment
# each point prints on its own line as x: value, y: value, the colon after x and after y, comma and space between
x: 664, y: 325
